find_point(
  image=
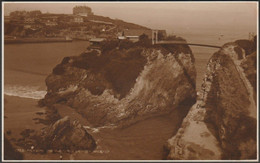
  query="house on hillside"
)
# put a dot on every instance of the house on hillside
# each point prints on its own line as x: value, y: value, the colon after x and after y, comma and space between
x: 49, y: 18
x: 78, y: 19
x: 51, y: 23
x: 162, y: 34
x: 29, y: 20
x: 95, y: 43
x: 134, y: 34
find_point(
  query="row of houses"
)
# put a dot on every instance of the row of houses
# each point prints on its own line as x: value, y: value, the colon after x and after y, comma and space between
x: 48, y: 20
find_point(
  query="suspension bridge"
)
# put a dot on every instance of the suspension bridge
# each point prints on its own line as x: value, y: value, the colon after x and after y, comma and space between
x: 176, y: 42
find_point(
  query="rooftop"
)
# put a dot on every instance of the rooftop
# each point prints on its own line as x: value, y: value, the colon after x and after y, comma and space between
x: 137, y: 32
x: 97, y: 39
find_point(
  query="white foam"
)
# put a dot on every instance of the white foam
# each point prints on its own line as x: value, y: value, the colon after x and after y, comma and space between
x: 101, y: 151
x: 97, y: 129
x: 32, y: 92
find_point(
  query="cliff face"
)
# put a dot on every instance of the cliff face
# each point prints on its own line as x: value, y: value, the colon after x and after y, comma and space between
x: 222, y: 123
x: 123, y: 85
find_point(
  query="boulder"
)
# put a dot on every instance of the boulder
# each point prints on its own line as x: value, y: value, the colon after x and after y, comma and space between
x: 222, y: 123
x: 67, y: 135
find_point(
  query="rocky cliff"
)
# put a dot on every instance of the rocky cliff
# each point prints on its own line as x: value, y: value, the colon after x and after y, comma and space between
x: 222, y: 123
x: 118, y: 86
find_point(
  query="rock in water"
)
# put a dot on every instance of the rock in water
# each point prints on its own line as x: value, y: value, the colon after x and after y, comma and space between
x: 222, y: 123
x: 67, y: 135
x: 120, y: 86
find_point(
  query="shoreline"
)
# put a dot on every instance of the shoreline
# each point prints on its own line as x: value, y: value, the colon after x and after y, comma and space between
x: 19, y: 112
x: 24, y: 41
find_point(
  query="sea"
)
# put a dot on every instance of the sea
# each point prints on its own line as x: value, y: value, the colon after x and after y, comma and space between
x: 26, y: 66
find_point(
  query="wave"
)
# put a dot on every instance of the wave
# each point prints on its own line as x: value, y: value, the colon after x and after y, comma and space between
x: 32, y: 92
x: 97, y: 129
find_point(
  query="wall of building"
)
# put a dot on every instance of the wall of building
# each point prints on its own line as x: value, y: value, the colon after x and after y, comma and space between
x: 82, y: 10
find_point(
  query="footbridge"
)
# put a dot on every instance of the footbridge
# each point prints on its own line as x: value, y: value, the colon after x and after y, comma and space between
x: 176, y: 42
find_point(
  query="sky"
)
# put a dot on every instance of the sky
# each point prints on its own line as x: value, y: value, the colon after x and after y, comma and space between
x: 175, y: 17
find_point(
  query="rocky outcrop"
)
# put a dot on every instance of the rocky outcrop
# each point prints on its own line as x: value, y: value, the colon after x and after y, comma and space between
x: 67, y: 135
x: 222, y: 123
x: 120, y: 86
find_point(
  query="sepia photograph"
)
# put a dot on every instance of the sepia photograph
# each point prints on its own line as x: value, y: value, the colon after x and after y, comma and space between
x: 129, y: 81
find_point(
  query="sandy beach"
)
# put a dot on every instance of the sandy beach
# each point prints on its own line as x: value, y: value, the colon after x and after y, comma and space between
x: 19, y: 114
